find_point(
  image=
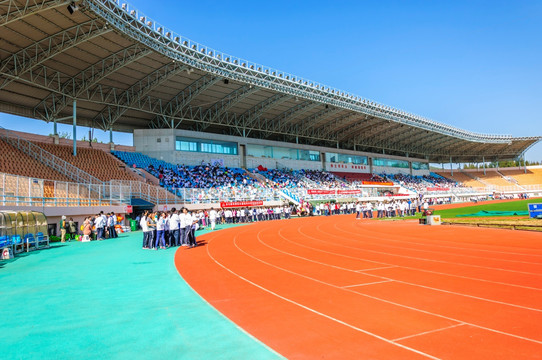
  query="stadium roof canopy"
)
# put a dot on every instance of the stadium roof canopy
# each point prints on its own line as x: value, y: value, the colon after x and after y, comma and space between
x: 128, y: 72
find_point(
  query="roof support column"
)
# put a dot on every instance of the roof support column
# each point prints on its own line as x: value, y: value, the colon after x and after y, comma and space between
x: 451, y: 166
x: 484, y: 161
x: 74, y: 127
x: 524, y: 164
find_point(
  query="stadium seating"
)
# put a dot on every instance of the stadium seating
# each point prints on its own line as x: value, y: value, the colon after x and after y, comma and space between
x: 14, y: 161
x: 140, y: 160
x: 174, y: 177
x: 459, y: 177
x: 531, y: 177
x: 96, y: 162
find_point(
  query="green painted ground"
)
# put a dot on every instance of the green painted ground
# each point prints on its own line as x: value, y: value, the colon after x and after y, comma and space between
x: 111, y: 300
x: 509, y: 206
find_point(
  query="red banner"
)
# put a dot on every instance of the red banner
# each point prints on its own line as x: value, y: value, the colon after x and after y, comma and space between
x: 437, y: 189
x: 332, y: 192
x: 233, y: 204
x: 128, y: 209
x: 348, y: 192
x: 397, y: 195
x: 377, y: 183
x: 320, y: 192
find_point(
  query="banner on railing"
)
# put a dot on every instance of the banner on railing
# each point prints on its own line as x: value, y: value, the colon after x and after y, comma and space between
x: 332, y: 192
x: 438, y: 189
x: 233, y: 204
x: 320, y: 192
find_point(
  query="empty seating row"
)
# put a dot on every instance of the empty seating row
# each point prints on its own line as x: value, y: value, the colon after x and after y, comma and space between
x: 98, y: 163
x: 14, y: 161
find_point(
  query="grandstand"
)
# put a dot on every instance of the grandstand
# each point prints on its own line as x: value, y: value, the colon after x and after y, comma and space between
x: 214, y: 130
x: 188, y: 105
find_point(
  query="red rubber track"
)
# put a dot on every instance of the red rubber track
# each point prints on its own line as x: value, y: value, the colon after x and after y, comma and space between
x: 339, y: 288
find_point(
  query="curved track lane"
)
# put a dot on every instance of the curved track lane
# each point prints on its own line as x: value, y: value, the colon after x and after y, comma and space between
x: 334, y: 287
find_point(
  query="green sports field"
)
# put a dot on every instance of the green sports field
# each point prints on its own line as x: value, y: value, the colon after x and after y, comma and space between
x: 507, y: 206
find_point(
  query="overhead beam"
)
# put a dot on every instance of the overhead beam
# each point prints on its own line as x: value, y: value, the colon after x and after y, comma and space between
x: 137, y: 93
x: 252, y: 115
x: 88, y: 78
x: 15, y: 11
x: 216, y: 112
x: 20, y: 63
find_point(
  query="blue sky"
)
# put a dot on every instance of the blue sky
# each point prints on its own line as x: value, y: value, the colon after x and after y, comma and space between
x: 476, y: 65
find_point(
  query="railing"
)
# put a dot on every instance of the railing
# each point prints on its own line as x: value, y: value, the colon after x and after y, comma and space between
x: 25, y: 191
x: 48, y: 159
x: 196, y: 196
x: 151, y: 193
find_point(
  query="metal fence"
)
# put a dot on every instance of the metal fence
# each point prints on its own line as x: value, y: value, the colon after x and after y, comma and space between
x: 205, y: 196
x: 25, y: 191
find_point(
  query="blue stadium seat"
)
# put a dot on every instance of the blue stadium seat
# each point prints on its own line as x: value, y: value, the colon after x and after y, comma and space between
x: 30, y: 242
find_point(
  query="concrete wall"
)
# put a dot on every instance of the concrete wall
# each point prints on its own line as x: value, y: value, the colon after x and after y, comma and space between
x: 160, y: 144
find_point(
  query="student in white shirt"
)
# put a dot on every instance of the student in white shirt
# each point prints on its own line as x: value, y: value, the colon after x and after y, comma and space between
x: 185, y: 223
x: 174, y: 227
x: 212, y: 217
x: 100, y: 226
x: 358, y: 210
x: 146, y: 231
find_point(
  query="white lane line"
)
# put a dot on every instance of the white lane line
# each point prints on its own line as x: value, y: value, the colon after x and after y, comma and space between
x: 315, y: 311
x: 402, y: 266
x: 365, y: 284
x: 379, y: 299
x: 528, y: 253
x: 378, y: 242
x: 378, y: 268
x: 397, y: 281
x: 432, y: 260
x: 429, y: 332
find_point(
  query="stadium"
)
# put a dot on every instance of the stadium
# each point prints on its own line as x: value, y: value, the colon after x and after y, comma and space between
x: 283, y: 167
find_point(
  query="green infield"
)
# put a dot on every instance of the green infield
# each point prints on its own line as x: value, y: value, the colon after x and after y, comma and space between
x: 507, y: 207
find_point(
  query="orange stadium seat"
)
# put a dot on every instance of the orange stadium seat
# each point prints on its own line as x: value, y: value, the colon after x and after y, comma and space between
x: 98, y: 163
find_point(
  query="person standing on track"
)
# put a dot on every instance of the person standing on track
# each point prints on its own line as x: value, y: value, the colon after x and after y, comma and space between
x: 358, y: 210
x: 212, y: 217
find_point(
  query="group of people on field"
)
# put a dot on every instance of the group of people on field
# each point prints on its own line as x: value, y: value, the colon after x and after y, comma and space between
x: 173, y: 228
x: 98, y: 227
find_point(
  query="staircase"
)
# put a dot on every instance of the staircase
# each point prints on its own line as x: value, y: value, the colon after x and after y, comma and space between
x: 488, y: 185
x: 49, y: 159
x: 511, y: 180
x: 286, y: 194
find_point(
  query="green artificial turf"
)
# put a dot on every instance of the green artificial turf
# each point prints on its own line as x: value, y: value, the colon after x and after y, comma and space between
x: 111, y: 300
x: 508, y: 206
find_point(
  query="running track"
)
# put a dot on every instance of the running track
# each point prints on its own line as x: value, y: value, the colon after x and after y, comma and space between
x: 337, y: 288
